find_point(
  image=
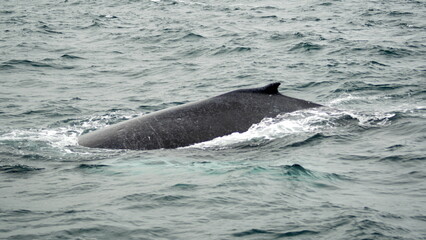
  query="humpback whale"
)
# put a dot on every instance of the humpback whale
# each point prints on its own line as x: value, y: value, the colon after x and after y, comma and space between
x: 196, y: 122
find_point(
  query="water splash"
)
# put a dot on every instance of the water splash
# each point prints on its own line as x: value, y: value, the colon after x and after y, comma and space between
x: 309, y: 121
x: 60, y: 136
x: 56, y: 137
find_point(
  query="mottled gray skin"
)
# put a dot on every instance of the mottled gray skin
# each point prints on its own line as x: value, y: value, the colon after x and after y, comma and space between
x: 196, y: 122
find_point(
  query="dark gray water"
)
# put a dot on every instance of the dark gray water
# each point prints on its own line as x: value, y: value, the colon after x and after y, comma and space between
x: 353, y: 170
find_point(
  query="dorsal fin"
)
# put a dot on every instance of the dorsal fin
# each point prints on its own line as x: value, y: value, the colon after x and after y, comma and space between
x: 270, y: 88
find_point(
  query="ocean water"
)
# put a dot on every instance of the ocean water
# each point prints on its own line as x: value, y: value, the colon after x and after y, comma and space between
x: 355, y: 169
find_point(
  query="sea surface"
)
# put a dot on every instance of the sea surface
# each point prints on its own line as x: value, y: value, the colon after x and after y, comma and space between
x: 354, y: 169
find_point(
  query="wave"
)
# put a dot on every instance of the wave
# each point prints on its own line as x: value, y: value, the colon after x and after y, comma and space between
x: 375, y: 50
x: 403, y: 158
x: 350, y: 226
x: 47, y: 29
x: 229, y: 50
x: 274, y: 234
x: 306, y: 47
x: 18, y: 169
x: 28, y: 63
x: 91, y: 166
x: 296, y: 171
x: 69, y: 56
x: 354, y: 86
x: 286, y: 36
x: 192, y: 36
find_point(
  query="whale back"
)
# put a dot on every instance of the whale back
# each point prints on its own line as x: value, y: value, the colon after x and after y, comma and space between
x: 196, y: 122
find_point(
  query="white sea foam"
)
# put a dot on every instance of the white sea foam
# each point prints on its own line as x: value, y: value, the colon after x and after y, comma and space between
x: 350, y: 98
x: 65, y: 136
x: 55, y: 137
x: 343, y: 99
x: 299, y: 122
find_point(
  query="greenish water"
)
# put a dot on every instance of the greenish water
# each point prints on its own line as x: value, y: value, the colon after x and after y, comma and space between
x: 354, y: 169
